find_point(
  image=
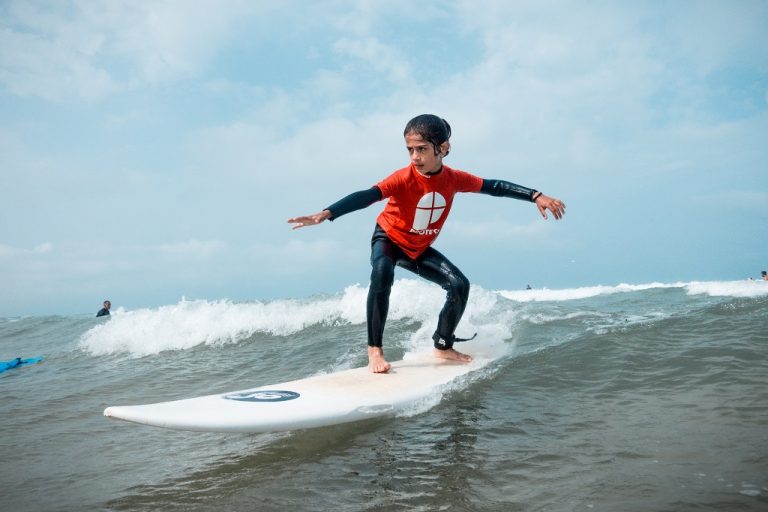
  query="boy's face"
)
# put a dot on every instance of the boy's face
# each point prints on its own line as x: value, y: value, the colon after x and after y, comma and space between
x: 423, y: 155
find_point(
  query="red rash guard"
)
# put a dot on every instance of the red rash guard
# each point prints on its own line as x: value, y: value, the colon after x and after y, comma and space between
x: 419, y: 205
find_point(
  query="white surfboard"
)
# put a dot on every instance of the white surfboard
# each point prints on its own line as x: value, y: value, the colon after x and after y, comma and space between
x: 341, y: 397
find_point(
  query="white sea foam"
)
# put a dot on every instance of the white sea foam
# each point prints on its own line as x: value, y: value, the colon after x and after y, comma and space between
x: 744, y: 288
x: 545, y: 294
x: 191, y: 323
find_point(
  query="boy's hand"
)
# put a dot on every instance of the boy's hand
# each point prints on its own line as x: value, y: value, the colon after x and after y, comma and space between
x: 556, y: 206
x: 309, y: 220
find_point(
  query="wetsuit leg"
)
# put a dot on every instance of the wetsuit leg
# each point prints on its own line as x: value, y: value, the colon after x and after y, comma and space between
x: 384, y: 255
x: 435, y: 267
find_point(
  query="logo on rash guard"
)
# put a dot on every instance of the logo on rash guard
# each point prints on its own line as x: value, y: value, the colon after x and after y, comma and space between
x: 428, y: 211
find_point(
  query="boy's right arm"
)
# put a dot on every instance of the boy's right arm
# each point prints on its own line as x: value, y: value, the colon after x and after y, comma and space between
x: 354, y: 201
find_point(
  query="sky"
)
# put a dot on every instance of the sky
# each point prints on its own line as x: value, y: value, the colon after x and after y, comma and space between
x: 153, y: 150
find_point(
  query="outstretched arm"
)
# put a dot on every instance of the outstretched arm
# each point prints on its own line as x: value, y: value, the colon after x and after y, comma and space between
x: 501, y: 188
x: 354, y: 201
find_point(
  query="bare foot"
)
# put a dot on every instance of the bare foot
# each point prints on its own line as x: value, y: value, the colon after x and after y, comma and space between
x: 452, y: 355
x: 376, y: 361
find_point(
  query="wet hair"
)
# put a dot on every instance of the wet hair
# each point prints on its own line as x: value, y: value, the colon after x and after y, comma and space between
x: 431, y: 128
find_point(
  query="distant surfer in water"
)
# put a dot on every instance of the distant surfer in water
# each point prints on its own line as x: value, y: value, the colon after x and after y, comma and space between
x: 105, y: 310
x: 420, y: 198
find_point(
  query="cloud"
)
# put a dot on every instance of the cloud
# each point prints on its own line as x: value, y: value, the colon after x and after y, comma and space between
x: 91, y: 49
x: 383, y: 59
x: 744, y: 202
x: 30, y: 65
x: 193, y: 249
x: 496, y: 229
x: 9, y: 251
x: 362, y: 17
x: 311, y: 156
x: 297, y: 253
x: 208, y: 124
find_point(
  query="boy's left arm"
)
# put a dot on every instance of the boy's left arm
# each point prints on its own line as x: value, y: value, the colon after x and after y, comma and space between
x: 501, y: 188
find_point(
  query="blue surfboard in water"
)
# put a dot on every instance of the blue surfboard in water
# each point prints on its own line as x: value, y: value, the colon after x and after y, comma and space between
x: 16, y: 363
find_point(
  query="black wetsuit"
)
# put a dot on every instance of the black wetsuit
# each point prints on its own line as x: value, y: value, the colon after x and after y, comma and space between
x: 102, y: 312
x: 431, y: 265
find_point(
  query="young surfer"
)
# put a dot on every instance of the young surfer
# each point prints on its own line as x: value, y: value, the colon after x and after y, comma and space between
x: 420, y: 198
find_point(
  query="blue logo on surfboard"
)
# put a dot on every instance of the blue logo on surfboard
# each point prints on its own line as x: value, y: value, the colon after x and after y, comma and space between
x: 263, y: 395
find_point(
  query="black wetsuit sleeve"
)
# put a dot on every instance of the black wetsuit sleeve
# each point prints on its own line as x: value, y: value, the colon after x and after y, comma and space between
x: 501, y: 188
x: 355, y: 201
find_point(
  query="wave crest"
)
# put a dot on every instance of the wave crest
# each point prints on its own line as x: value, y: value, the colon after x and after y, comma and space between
x: 190, y: 323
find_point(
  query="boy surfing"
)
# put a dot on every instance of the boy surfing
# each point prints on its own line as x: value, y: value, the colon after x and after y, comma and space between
x: 420, y: 197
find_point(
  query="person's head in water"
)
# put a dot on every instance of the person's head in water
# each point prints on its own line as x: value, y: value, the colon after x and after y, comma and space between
x: 427, y: 138
x: 107, y: 304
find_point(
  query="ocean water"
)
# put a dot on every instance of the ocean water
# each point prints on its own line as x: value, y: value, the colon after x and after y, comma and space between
x: 648, y: 397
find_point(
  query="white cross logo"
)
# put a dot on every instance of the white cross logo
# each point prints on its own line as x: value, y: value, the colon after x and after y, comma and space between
x: 428, y: 211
